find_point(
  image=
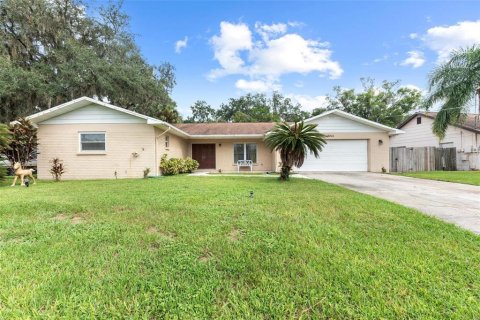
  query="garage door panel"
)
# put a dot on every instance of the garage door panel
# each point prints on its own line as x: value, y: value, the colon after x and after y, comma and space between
x: 339, y: 155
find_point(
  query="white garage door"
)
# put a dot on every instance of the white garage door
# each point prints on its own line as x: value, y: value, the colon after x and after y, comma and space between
x: 339, y: 155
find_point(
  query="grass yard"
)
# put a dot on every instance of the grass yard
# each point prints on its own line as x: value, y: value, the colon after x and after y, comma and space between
x: 200, y: 247
x: 467, y: 177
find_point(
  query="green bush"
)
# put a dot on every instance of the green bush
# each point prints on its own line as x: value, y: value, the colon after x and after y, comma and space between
x: 173, y: 166
x: 190, y: 165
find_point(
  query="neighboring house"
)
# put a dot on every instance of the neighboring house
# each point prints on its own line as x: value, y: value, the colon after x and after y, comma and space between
x: 30, y: 164
x: 464, y: 137
x: 98, y: 140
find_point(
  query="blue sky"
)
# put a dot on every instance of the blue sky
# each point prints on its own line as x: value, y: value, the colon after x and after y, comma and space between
x: 302, y: 49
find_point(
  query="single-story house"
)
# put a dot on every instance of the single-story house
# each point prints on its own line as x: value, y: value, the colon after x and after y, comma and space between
x: 465, y: 137
x: 99, y: 140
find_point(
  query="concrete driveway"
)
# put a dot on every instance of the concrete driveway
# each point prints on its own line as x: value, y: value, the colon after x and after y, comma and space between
x: 452, y: 202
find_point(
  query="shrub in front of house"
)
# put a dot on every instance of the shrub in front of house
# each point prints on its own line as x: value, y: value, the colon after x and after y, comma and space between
x: 173, y: 166
x: 57, y: 169
x: 191, y: 165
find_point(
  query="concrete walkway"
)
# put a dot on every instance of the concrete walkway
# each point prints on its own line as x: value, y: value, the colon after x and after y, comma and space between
x: 452, y: 202
x: 232, y: 174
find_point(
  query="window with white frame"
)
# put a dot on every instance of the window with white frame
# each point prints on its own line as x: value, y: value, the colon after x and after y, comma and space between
x: 92, y: 141
x: 245, y: 151
x: 167, y: 141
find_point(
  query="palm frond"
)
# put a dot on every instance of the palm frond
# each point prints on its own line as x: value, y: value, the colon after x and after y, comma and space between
x: 452, y: 85
x: 294, y: 142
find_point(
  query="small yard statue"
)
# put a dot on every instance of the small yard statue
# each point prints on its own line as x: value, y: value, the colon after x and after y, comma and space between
x: 19, y: 172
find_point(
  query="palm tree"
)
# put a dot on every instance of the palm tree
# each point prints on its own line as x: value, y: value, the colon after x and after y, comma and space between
x: 293, y: 142
x: 454, y: 84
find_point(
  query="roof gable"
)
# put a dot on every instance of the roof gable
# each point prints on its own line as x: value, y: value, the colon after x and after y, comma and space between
x: 94, y: 113
x: 81, y: 103
x: 63, y: 109
x: 340, y: 121
x: 471, y: 121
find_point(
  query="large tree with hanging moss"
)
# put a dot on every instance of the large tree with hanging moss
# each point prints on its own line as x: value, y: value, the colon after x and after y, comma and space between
x: 57, y: 50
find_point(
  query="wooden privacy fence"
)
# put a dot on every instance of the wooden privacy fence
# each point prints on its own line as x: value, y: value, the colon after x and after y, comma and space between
x: 422, y: 159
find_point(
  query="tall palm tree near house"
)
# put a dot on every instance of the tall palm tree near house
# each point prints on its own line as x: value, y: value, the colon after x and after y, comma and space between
x: 294, y: 142
x: 454, y: 84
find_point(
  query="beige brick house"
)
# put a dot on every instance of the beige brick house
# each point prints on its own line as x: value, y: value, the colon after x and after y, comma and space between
x: 97, y: 140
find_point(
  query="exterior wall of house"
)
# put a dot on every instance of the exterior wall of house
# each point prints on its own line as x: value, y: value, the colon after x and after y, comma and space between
x: 378, y: 153
x: 462, y: 139
x: 177, y: 147
x: 224, y: 154
x: 471, y: 161
x: 337, y: 127
x: 276, y: 161
x: 416, y: 135
x: 122, y: 140
x: 421, y: 135
x: 133, y: 145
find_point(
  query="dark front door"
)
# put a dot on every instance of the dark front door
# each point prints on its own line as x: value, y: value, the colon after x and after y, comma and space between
x: 205, y: 155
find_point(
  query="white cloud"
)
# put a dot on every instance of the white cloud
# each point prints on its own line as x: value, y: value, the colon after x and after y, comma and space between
x: 291, y: 53
x: 385, y: 57
x: 415, y: 59
x: 413, y: 35
x: 296, y: 24
x: 269, y: 30
x: 233, y: 38
x: 181, y: 44
x: 275, y: 53
x: 445, y: 39
x: 309, y: 102
x: 256, y: 85
x: 299, y: 84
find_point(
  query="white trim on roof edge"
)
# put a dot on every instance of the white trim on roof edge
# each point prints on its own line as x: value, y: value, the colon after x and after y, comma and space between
x: 226, y: 136
x: 50, y: 113
x: 391, y: 131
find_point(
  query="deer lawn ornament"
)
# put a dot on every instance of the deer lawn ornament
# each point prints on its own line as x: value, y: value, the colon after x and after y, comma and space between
x: 19, y: 172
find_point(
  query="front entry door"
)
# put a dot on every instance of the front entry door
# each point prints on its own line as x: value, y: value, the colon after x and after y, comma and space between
x: 205, y: 155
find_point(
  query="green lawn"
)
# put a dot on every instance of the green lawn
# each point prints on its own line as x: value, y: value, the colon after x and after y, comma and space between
x: 200, y: 247
x: 467, y: 177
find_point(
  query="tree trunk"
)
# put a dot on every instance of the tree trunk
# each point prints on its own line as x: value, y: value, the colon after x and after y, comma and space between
x: 287, y: 165
x: 285, y: 172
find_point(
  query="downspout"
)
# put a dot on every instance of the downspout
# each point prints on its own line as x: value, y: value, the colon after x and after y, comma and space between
x: 461, y: 140
x: 156, y: 153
